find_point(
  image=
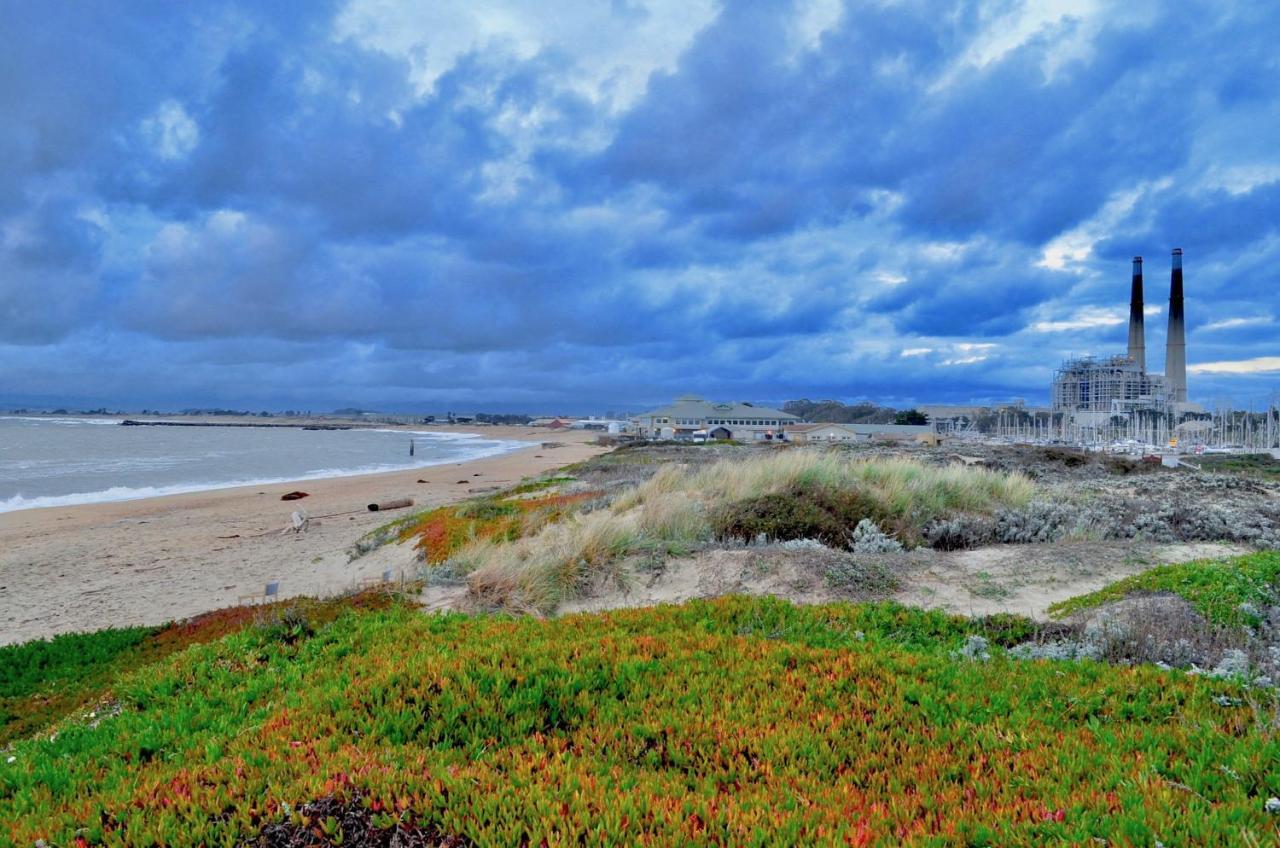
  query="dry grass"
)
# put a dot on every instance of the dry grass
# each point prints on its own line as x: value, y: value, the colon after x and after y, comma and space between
x: 536, y: 573
x: 675, y: 506
x: 905, y: 488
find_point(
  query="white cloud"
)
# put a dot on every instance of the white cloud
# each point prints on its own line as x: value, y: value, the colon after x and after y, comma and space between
x: 1257, y: 365
x: 616, y: 45
x: 1069, y: 27
x: 969, y: 353
x: 813, y: 19
x: 1232, y: 323
x: 171, y: 131
x: 916, y: 351
x: 1076, y: 245
x: 1241, y: 179
x: 1084, y: 319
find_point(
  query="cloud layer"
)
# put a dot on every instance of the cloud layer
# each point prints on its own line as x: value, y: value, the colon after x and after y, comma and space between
x: 471, y: 204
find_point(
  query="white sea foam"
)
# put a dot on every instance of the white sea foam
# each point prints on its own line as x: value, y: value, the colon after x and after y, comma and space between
x: 493, y: 447
x: 110, y: 422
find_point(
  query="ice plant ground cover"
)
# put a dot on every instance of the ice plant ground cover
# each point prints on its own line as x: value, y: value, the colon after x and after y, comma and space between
x: 43, y: 680
x: 1227, y: 592
x: 735, y: 722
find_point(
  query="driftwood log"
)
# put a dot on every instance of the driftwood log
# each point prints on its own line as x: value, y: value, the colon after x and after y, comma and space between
x: 398, y: 503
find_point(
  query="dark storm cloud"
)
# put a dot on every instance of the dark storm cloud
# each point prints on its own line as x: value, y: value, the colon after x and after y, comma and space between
x: 197, y: 198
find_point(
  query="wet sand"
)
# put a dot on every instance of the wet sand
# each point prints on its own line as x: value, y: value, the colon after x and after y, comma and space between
x: 65, y: 569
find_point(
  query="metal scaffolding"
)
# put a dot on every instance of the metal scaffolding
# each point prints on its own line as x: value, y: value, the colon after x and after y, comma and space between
x: 1115, y: 385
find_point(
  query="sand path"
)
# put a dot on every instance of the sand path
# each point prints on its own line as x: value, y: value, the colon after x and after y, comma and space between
x: 1021, y: 579
x: 65, y: 569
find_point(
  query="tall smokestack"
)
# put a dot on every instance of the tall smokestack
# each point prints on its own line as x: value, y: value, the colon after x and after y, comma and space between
x: 1137, y: 340
x: 1175, y: 357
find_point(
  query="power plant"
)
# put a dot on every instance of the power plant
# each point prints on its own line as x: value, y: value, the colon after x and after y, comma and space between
x: 1113, y: 403
x: 1098, y: 393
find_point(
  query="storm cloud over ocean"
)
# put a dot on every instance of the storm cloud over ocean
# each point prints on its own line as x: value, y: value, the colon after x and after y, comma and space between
x: 492, y: 204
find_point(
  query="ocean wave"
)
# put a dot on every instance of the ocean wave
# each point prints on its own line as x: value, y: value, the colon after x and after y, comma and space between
x: 98, y: 422
x: 440, y: 435
x: 130, y: 493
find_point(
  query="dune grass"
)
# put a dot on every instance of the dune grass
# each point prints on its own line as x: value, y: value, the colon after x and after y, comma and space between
x: 743, y: 721
x: 679, y: 507
x: 903, y: 487
x: 1221, y: 590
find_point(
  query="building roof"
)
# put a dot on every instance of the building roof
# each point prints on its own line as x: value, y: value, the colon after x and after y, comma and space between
x: 692, y: 406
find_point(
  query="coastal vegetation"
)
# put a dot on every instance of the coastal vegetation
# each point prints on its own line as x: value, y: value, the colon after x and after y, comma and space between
x: 774, y: 496
x: 1227, y: 592
x: 738, y: 721
x: 362, y: 721
x: 43, y: 680
x: 1261, y: 465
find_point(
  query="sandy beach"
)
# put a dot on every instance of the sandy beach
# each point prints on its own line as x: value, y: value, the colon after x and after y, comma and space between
x: 65, y: 569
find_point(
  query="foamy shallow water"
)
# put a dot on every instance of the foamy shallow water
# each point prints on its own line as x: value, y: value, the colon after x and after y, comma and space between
x: 67, y: 461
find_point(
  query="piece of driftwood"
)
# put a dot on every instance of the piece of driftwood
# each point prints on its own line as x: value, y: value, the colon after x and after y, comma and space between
x: 294, y: 496
x: 298, y: 522
x: 398, y: 503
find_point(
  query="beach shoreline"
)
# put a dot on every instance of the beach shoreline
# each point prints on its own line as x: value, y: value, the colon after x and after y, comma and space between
x: 468, y: 443
x: 152, y: 560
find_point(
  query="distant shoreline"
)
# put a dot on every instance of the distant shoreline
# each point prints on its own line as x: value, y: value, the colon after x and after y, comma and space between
x: 133, y: 422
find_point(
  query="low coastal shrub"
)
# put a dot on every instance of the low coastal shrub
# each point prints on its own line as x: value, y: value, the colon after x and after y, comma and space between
x: 800, y: 512
x: 1228, y: 592
x: 855, y: 576
x: 735, y: 722
x: 1253, y: 464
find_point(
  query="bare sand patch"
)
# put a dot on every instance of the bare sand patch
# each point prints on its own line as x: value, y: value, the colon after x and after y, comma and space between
x: 1021, y: 579
x: 1027, y: 579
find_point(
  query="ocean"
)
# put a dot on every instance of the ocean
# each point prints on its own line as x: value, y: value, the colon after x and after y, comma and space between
x: 47, y: 461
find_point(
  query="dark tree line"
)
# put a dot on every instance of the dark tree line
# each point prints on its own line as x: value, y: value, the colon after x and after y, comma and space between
x: 835, y: 412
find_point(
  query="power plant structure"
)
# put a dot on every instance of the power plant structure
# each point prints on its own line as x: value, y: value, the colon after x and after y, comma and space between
x: 1115, y: 396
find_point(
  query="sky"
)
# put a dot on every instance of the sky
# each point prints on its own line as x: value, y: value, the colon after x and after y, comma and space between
x: 605, y: 203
